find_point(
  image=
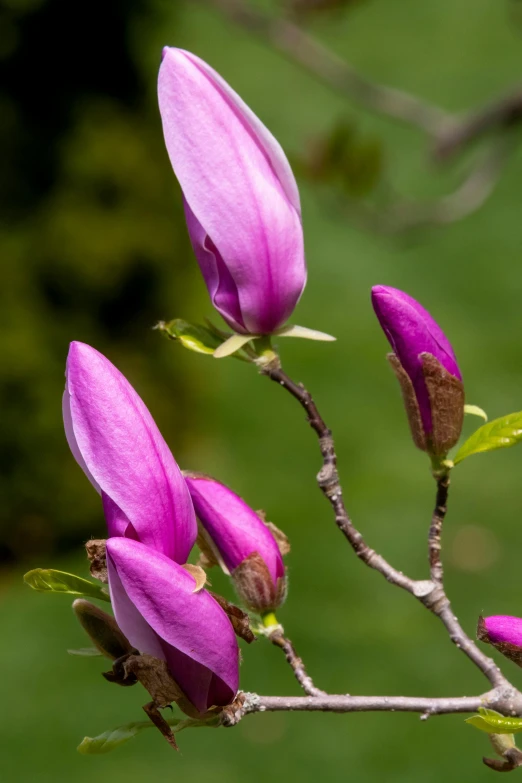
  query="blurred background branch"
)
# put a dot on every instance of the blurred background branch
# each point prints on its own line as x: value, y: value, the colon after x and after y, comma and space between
x: 448, y: 134
x: 301, y: 47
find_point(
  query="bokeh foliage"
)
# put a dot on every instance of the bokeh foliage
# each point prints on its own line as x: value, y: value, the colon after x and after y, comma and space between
x: 94, y: 248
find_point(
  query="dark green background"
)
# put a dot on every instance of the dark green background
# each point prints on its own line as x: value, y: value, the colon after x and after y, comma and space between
x: 94, y: 248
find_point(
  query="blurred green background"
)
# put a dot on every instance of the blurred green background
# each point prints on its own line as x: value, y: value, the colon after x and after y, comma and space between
x: 94, y: 248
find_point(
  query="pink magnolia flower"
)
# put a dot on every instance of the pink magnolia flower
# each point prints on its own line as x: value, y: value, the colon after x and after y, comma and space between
x: 426, y: 366
x: 157, y: 609
x: 115, y: 441
x: 241, y: 199
x: 242, y: 543
x: 411, y: 331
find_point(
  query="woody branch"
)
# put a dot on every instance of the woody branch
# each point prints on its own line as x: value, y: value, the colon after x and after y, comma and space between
x: 429, y: 592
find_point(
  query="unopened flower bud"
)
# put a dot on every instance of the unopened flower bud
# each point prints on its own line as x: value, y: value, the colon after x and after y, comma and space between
x: 426, y: 367
x: 157, y: 606
x: 241, y: 199
x: 101, y: 629
x: 241, y: 542
x: 504, y: 633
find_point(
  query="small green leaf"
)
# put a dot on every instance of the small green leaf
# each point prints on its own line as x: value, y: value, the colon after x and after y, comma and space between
x: 85, y: 652
x: 112, y: 739
x: 497, y: 434
x: 493, y: 722
x: 195, y: 338
x: 474, y: 410
x: 47, y: 580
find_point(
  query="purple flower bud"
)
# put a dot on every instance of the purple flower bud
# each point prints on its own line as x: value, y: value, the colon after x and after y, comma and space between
x: 241, y: 199
x: 115, y: 441
x: 504, y: 633
x: 158, y: 611
x: 426, y: 367
x: 242, y: 543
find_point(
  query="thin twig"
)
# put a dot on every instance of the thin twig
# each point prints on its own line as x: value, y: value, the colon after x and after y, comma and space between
x: 500, y: 114
x: 469, y: 196
x: 508, y: 702
x: 449, y: 134
x: 303, y: 678
x: 428, y: 592
x: 300, y: 47
x: 434, y: 536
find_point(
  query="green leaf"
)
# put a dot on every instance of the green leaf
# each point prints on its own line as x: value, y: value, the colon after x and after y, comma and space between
x: 493, y: 722
x: 195, y: 338
x: 112, y: 739
x: 47, y: 580
x: 474, y: 410
x: 85, y: 652
x: 497, y: 434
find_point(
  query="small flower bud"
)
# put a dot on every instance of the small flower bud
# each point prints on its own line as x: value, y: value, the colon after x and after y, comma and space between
x: 240, y: 541
x: 427, y: 370
x: 504, y: 633
x: 101, y: 629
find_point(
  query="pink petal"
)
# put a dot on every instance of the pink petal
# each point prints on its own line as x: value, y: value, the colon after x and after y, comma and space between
x: 504, y: 629
x: 234, y: 528
x: 151, y: 593
x: 239, y: 188
x: 115, y: 440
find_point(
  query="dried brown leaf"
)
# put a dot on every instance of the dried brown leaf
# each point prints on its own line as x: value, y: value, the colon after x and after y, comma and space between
x: 96, y: 553
x: 410, y: 402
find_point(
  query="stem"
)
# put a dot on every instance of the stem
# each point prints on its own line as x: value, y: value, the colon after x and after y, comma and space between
x: 328, y: 480
x: 501, y: 113
x: 434, y: 537
x: 269, y: 620
x: 429, y: 592
x: 298, y: 667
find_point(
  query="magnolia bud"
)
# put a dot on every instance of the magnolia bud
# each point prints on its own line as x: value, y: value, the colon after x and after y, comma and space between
x: 427, y: 370
x: 241, y: 199
x: 237, y: 538
x: 504, y: 633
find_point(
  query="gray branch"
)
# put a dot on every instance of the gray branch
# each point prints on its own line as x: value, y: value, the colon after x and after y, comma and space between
x: 429, y: 592
x: 278, y: 638
x: 301, y: 48
x: 508, y: 701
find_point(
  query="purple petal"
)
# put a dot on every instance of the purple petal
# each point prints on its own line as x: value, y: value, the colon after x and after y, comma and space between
x: 114, y: 439
x: 219, y: 281
x: 503, y: 628
x: 411, y: 330
x: 157, y: 610
x: 243, y: 204
x: 232, y: 526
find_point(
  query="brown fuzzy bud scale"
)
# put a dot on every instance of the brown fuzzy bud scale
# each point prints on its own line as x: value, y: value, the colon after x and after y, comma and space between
x: 101, y: 629
x: 255, y: 587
